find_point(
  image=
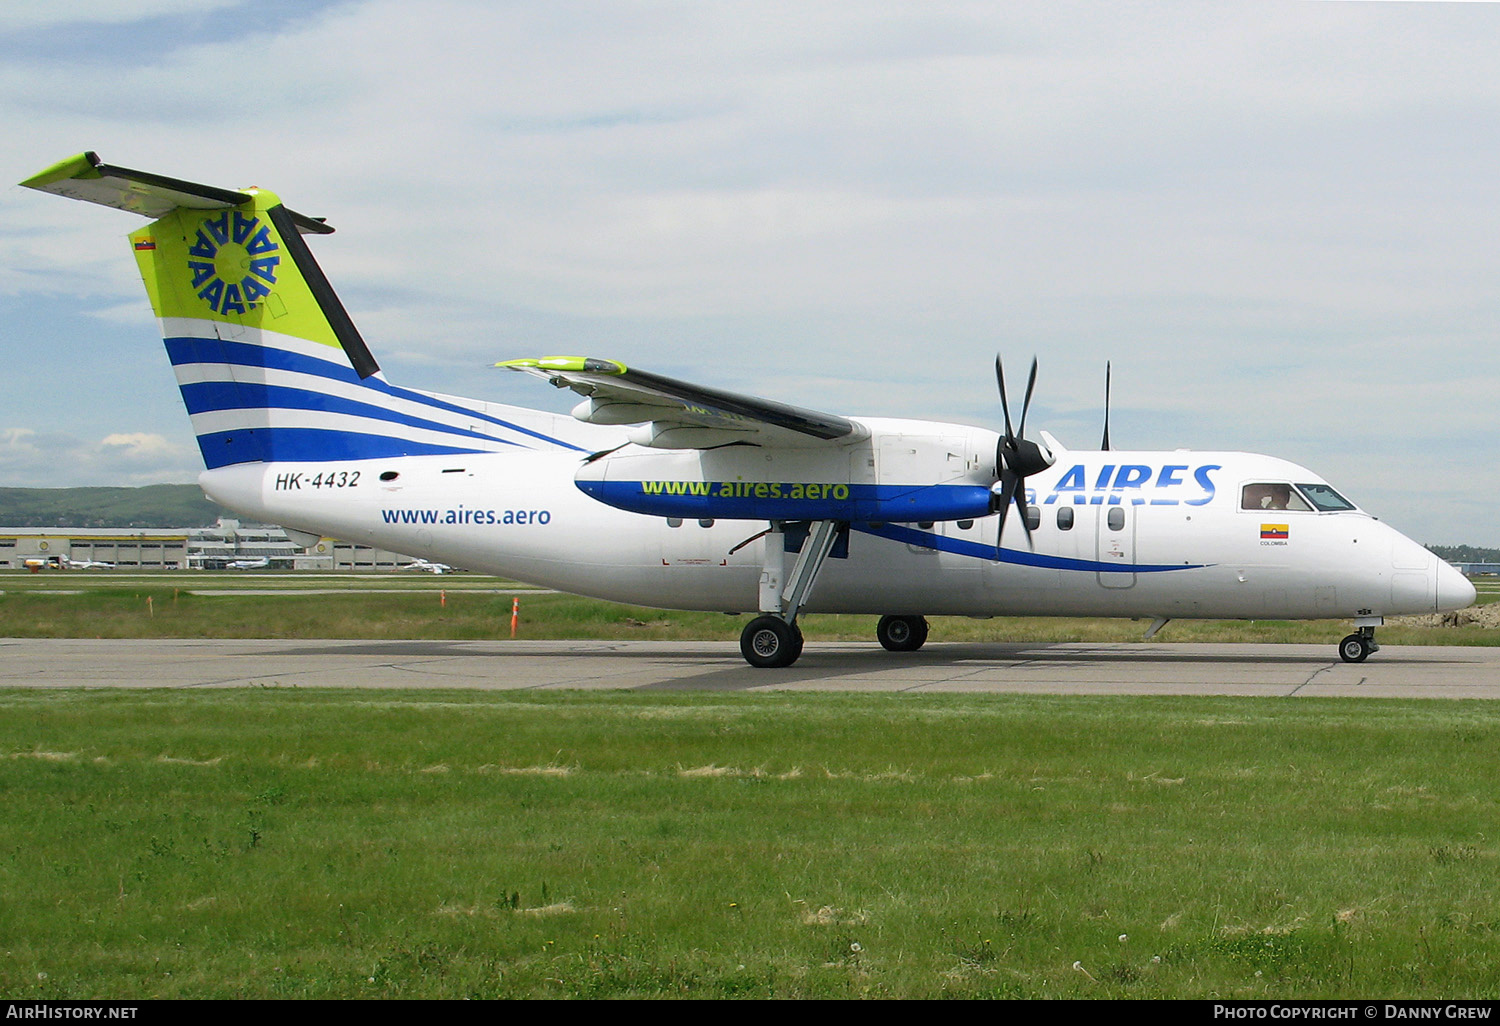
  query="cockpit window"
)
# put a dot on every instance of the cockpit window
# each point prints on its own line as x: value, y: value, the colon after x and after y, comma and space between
x: 1325, y: 498
x: 1273, y: 495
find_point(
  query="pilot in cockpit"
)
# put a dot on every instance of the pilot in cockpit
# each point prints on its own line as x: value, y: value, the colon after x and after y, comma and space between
x: 1269, y: 495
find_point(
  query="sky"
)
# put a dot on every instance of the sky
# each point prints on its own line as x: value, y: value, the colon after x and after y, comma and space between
x: 1279, y: 221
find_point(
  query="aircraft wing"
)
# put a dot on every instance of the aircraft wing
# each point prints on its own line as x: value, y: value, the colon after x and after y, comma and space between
x: 681, y: 415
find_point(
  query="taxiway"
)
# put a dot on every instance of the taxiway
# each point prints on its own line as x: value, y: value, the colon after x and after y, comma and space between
x: 1094, y: 669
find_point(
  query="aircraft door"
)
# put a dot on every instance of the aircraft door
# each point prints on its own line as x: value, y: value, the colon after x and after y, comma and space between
x: 1116, y: 545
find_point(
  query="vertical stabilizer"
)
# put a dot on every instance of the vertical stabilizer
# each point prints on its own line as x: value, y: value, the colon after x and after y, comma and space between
x: 270, y: 364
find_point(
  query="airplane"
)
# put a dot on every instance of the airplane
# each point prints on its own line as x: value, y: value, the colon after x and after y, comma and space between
x: 663, y: 493
x: 86, y: 564
x: 247, y: 564
x: 427, y: 567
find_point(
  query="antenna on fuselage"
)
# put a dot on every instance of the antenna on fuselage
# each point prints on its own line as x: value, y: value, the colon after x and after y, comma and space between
x: 1104, y: 445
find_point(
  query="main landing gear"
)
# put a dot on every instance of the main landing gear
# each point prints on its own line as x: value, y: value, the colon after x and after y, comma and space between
x: 902, y: 633
x: 773, y: 638
x: 769, y: 641
x: 1358, y: 646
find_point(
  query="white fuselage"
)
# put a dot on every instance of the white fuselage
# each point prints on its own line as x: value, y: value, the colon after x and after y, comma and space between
x: 1148, y: 534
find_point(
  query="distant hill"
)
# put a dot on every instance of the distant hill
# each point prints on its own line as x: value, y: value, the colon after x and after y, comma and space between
x: 151, y: 506
x: 1465, y: 553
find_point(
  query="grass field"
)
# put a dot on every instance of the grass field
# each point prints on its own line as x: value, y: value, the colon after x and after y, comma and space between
x: 284, y: 843
x: 338, y: 844
x: 468, y: 607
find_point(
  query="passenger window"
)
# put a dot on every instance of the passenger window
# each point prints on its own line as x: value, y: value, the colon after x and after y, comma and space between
x: 705, y: 523
x: 1117, y: 518
x: 1272, y: 495
x: 1065, y: 518
x: 1033, y: 517
x: 674, y: 521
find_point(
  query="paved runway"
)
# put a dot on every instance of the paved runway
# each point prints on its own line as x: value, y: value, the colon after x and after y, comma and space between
x: 1094, y: 669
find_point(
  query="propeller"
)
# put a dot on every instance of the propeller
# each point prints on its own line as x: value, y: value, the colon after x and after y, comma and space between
x: 1016, y: 458
x: 1104, y: 446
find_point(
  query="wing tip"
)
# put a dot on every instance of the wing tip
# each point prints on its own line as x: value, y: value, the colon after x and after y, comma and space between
x: 83, y: 164
x: 565, y: 364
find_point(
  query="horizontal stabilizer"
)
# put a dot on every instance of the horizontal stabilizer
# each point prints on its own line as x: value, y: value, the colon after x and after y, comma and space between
x: 86, y: 177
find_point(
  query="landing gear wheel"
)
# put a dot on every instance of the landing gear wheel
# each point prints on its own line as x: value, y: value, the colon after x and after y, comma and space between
x: 1355, y: 648
x: 902, y: 633
x: 770, y: 642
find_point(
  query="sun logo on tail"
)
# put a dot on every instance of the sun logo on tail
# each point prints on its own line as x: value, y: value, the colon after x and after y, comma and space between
x: 233, y: 263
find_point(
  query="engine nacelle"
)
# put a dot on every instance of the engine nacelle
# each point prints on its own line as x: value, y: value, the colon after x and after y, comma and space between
x: 887, y: 478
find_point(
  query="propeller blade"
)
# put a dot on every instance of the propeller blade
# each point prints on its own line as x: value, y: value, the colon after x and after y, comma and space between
x: 1007, y: 491
x: 1011, y: 493
x: 1025, y: 520
x: 1015, y: 459
x: 1030, y: 387
x: 1004, y: 406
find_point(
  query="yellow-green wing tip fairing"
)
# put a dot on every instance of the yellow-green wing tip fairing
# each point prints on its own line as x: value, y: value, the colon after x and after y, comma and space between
x: 565, y: 364
x: 79, y: 166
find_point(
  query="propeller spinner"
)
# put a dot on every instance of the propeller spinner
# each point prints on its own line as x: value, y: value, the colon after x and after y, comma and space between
x: 1016, y: 457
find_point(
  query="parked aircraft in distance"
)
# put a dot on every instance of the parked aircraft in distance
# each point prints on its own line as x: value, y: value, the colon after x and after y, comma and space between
x: 39, y: 563
x: 426, y: 567
x: 247, y: 564
x: 717, y: 500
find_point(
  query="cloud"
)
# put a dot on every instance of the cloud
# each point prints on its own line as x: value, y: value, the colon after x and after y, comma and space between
x: 31, y: 458
x: 29, y: 14
x: 139, y: 447
x: 1278, y: 223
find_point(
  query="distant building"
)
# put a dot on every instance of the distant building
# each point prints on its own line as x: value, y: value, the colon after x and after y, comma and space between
x: 126, y: 548
x: 228, y: 541
x: 196, y: 548
x: 1479, y: 569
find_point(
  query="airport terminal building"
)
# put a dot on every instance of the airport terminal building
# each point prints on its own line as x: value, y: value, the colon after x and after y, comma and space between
x: 229, y: 544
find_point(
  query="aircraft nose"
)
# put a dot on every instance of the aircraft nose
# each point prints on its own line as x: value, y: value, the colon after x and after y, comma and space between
x: 1454, y: 591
